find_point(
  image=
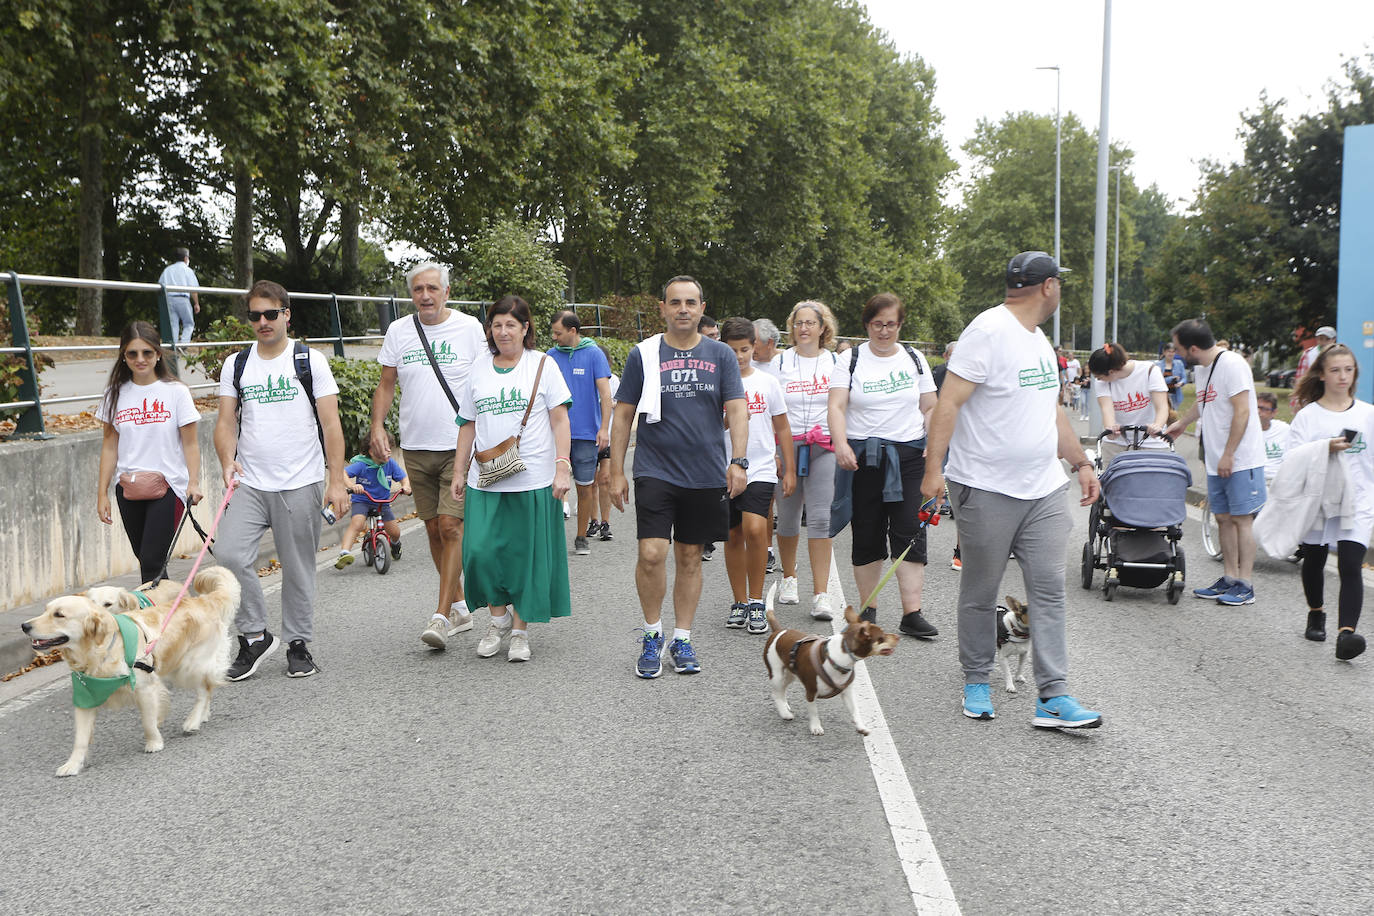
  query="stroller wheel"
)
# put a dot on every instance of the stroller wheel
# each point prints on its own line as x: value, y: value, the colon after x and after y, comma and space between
x: 1173, y: 592
x: 1109, y: 589
x: 1089, y: 561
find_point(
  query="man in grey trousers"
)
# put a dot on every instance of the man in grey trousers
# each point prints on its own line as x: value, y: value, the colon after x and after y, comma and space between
x: 1000, y: 420
x: 274, y: 450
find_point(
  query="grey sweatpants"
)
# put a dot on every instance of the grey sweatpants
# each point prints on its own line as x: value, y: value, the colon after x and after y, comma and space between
x: 294, y: 517
x: 991, y: 526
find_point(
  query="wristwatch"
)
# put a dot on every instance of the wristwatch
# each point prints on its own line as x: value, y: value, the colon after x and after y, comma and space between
x: 742, y: 462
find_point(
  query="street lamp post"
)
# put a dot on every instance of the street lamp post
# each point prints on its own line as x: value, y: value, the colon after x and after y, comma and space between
x: 1100, y: 222
x: 1057, y: 148
x: 1116, y: 255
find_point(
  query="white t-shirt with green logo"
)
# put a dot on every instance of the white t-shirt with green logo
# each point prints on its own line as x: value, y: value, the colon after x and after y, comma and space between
x: 1006, y: 438
x: 496, y: 399
x: 426, y: 414
x: 1275, y: 444
x: 279, y: 444
x: 885, y: 396
x: 1315, y: 422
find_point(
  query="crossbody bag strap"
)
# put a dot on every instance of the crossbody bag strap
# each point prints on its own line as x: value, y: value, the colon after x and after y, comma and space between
x: 530, y: 403
x: 434, y: 363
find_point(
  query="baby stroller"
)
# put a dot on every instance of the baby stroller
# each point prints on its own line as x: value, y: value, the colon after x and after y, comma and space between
x: 1135, y: 526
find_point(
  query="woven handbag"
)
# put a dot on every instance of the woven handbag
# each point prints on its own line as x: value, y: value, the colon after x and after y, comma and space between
x: 503, y: 460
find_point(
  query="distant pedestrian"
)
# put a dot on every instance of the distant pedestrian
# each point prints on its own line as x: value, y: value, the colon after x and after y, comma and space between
x: 286, y: 438
x: 1324, y: 337
x: 182, y: 306
x: 1000, y: 421
x: 150, y: 424
x: 603, y: 464
x: 879, y: 403
x: 1175, y: 374
x: 430, y: 356
x: 515, y: 552
x: 1276, y: 434
x: 805, y: 371
x: 678, y: 383
x: 938, y: 373
x: 588, y: 376
x: 746, y: 551
x: 708, y: 327
x: 1233, y: 449
x: 766, y: 339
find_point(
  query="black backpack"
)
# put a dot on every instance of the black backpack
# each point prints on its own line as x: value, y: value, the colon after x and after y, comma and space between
x: 300, y: 357
x: 854, y: 361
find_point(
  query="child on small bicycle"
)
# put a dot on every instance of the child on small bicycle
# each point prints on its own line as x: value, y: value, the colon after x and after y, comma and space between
x: 374, y: 476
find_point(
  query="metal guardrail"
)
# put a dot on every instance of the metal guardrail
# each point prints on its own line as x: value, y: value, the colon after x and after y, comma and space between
x: 30, y: 422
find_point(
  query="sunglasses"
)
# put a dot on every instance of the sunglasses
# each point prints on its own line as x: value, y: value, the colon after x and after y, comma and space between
x: 269, y: 314
x: 139, y: 354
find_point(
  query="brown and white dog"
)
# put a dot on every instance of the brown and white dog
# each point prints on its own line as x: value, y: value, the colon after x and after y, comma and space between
x: 824, y: 664
x: 193, y: 651
x: 1013, y: 640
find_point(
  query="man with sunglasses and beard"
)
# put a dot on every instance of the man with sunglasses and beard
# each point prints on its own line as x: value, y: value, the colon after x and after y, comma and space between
x: 271, y: 438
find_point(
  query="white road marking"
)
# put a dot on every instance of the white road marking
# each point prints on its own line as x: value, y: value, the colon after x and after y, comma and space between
x: 925, y: 873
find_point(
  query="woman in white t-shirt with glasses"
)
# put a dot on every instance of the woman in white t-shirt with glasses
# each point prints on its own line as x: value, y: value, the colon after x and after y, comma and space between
x: 880, y: 399
x: 1131, y: 392
x: 149, y: 419
x: 515, y: 552
x: 805, y: 371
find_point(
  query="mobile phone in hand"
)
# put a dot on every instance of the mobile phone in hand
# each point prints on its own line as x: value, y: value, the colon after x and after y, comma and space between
x: 1349, y: 434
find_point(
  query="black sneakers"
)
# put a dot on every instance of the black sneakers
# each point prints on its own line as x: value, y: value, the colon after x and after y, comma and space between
x: 870, y: 614
x: 915, y: 624
x: 772, y: 566
x: 1348, y: 645
x: 395, y: 550
x: 251, y: 656
x: 606, y: 532
x: 1316, y: 626
x: 298, y: 660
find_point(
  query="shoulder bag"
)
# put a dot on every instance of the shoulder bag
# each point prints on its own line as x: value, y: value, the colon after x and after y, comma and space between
x: 429, y: 351
x: 502, y: 460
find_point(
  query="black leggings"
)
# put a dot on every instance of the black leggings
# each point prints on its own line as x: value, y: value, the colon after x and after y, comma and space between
x: 1349, y: 560
x: 150, y: 525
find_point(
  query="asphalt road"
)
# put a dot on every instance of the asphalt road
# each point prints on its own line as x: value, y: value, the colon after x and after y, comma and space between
x: 1233, y: 773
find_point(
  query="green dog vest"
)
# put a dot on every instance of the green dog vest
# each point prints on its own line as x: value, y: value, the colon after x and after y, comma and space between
x: 90, y: 692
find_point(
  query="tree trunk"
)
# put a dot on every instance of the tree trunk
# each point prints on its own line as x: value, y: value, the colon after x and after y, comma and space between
x: 350, y: 220
x: 89, y: 223
x: 243, y: 226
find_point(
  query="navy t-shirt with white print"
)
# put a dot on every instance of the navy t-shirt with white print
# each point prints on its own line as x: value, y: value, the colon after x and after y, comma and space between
x: 685, y: 447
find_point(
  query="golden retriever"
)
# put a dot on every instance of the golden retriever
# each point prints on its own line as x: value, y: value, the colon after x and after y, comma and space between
x: 192, y: 652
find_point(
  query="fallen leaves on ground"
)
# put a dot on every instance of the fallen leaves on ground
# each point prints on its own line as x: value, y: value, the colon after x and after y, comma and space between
x: 39, y: 661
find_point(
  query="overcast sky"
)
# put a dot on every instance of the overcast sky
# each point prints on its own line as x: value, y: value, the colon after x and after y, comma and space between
x: 1181, y: 72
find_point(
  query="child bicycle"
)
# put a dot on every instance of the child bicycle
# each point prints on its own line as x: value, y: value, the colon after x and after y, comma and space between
x: 376, y: 542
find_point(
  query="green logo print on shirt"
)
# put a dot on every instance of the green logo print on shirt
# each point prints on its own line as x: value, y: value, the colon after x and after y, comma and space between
x: 1046, y: 376
x: 443, y: 355
x: 895, y: 381
x: 274, y: 392
x: 1357, y: 446
x: 508, y: 402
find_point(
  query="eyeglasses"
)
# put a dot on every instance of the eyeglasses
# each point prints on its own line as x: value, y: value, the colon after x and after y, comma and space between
x: 808, y: 323
x: 1266, y: 407
x: 139, y: 354
x: 884, y: 325
x: 269, y: 314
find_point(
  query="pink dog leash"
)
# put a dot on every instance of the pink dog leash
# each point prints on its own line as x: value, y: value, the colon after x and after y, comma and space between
x: 144, y: 660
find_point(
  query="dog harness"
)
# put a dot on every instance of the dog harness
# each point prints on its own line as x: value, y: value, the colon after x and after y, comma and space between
x: 90, y: 692
x: 142, y: 599
x: 1009, y: 632
x: 820, y: 654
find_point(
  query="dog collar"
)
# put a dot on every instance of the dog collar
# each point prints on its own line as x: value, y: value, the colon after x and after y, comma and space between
x: 89, y: 692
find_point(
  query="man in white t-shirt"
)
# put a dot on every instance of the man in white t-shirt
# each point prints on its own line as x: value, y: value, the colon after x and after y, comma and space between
x: 428, y: 434
x: 1233, y: 451
x: 274, y: 450
x: 1005, y: 431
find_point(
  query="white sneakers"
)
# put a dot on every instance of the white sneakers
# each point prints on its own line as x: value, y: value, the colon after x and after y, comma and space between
x: 519, y: 650
x: 822, y: 608
x: 487, y: 645
x: 787, y: 592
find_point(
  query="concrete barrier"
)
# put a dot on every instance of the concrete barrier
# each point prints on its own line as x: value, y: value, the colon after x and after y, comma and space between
x: 54, y: 542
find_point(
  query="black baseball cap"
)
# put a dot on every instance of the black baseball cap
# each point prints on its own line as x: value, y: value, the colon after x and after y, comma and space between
x: 1031, y: 268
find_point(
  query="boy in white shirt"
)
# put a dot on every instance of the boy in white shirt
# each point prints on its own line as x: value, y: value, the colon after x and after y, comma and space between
x: 1276, y: 434
x: 276, y: 454
x: 746, y: 552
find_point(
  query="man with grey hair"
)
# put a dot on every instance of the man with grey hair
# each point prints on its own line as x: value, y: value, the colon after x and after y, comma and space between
x: 766, y: 336
x: 430, y: 356
x: 182, y: 307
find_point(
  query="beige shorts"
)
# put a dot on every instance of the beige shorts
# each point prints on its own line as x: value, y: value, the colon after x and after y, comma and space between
x: 431, y: 477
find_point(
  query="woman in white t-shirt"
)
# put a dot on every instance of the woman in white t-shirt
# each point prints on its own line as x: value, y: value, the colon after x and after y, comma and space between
x: 805, y: 371
x: 880, y: 400
x: 149, y: 419
x: 515, y: 552
x: 1330, y: 411
x: 1131, y: 392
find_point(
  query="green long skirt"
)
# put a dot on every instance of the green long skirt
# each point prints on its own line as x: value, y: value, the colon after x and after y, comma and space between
x: 515, y: 552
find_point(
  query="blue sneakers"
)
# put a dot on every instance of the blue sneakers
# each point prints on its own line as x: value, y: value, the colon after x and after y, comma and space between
x: 650, y: 664
x: 978, y: 701
x: 739, y: 613
x: 684, y: 657
x: 1064, y: 712
x: 758, y: 620
x: 1215, y: 590
x: 1236, y: 595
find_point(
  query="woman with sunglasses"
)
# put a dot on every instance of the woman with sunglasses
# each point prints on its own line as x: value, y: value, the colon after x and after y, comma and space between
x: 880, y: 403
x: 149, y: 419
